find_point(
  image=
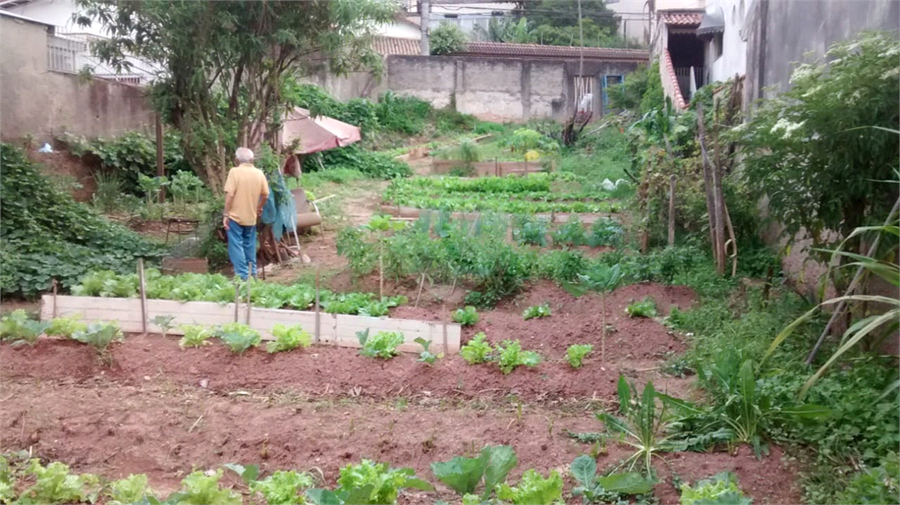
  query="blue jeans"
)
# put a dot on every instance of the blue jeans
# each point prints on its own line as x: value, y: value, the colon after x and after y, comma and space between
x: 242, y: 249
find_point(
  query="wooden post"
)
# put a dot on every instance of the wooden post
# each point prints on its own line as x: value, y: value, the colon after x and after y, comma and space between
x: 160, y: 167
x: 249, y: 306
x: 444, y: 331
x: 318, y: 324
x: 55, y: 310
x: 275, y: 245
x: 672, y: 210
x: 143, y: 295
x: 237, y: 298
x: 421, y: 284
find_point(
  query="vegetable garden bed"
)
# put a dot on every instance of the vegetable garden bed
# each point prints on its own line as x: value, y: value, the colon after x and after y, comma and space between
x: 552, y: 217
x: 334, y: 329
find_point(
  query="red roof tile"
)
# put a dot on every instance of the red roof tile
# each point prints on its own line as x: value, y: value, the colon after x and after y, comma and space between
x: 542, y: 51
x: 682, y: 18
x: 386, y: 46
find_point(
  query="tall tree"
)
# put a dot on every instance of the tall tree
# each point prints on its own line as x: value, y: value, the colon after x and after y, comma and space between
x: 225, y: 64
x: 560, y: 14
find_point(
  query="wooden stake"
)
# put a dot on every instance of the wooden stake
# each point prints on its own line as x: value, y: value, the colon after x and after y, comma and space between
x: 707, y: 182
x: 55, y: 310
x: 143, y: 295
x: 237, y: 298
x: 672, y: 210
x: 444, y: 331
x: 160, y: 166
x: 318, y: 324
x: 249, y: 305
x: 421, y: 283
x: 718, y: 196
x: 381, y: 270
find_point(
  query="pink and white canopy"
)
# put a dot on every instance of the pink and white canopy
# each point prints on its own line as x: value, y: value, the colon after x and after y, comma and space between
x: 316, y: 134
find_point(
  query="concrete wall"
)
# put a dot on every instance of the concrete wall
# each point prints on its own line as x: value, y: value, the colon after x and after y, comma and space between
x: 42, y: 103
x: 497, y: 89
x: 779, y: 33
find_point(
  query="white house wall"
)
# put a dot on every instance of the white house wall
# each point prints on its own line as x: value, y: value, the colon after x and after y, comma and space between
x: 634, y: 24
x: 400, y: 31
x: 54, y: 12
x: 734, y: 54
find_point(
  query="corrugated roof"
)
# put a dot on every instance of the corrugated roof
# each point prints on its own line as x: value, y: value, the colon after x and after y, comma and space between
x: 682, y: 18
x: 387, y: 46
x: 542, y: 51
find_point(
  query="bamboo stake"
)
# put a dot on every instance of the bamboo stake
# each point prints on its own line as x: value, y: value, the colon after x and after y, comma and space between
x: 143, y: 295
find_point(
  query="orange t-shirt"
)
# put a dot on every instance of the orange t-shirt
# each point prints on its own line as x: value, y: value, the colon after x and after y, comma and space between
x: 247, y: 184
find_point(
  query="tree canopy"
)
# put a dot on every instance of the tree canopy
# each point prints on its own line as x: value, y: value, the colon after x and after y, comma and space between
x: 226, y: 64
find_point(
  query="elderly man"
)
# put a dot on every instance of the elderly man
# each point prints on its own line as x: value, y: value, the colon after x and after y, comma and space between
x: 246, y: 191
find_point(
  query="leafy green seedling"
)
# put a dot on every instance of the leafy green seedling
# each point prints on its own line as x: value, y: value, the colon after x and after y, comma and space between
x: 642, y: 308
x: 198, y: 487
x: 575, y: 354
x: 239, y: 337
x: 288, y: 338
x: 369, y: 483
x: 533, y: 489
x: 510, y: 355
x: 195, y: 335
x: 66, y: 326
x: 476, y: 350
x: 283, y: 487
x: 593, y: 488
x: 642, y: 426
x: 602, y: 279
x: 536, y: 311
x: 132, y: 489
x: 99, y: 335
x: 466, y: 317
x: 720, y: 488
x: 164, y: 322
x: 382, y: 345
x: 427, y: 356
x: 20, y: 329
x: 463, y: 474
x: 54, y: 484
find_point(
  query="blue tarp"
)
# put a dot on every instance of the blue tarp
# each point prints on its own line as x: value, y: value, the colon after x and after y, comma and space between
x: 279, y: 211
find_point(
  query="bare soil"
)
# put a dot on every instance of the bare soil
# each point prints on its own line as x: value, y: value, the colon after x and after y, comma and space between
x: 162, y: 411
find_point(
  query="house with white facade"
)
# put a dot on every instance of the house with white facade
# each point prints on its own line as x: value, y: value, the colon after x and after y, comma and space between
x: 69, y: 45
x: 698, y: 42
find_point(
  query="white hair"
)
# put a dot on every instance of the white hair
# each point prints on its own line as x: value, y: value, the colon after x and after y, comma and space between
x: 243, y: 155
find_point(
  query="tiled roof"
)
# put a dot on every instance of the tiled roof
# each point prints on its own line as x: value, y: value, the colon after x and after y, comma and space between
x: 386, y: 46
x: 538, y: 50
x: 682, y: 18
